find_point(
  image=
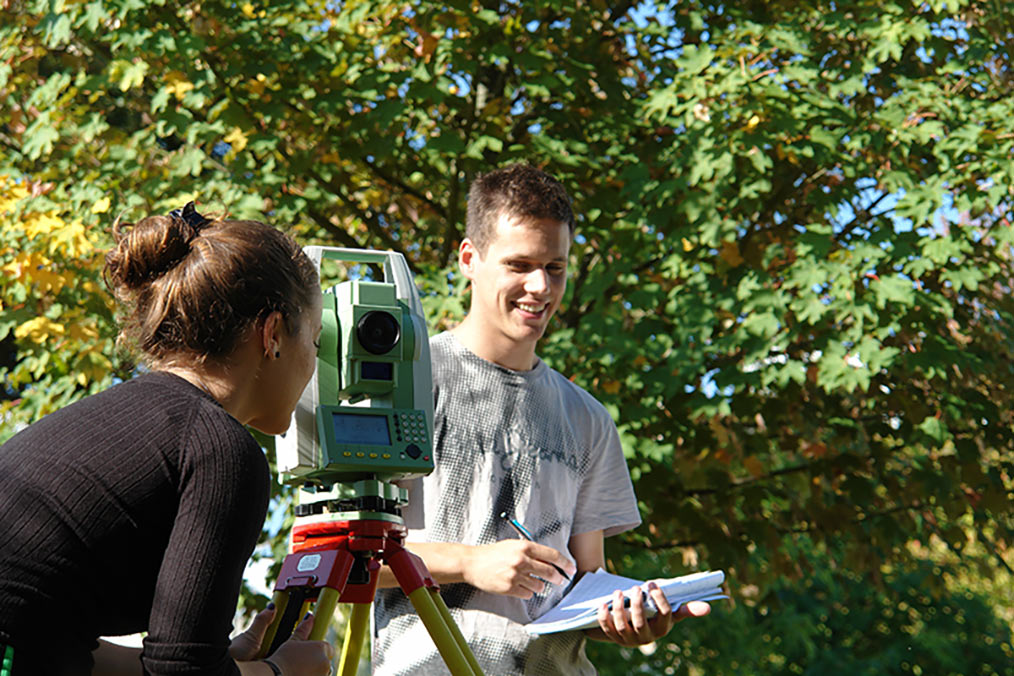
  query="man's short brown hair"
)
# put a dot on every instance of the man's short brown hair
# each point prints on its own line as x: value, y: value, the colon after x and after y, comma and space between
x: 516, y: 190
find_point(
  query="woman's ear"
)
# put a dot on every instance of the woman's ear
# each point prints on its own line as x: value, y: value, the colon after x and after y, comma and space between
x: 271, y: 335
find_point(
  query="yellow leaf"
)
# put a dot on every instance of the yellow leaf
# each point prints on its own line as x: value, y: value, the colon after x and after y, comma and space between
x: 71, y: 241
x: 752, y: 122
x: 687, y: 245
x: 611, y: 387
x: 38, y: 330
x: 258, y: 84
x: 41, y: 224
x: 11, y: 194
x: 101, y: 207
x: 34, y: 268
x: 86, y: 332
x: 178, y: 84
x: 248, y: 10
x: 730, y: 254
x: 754, y: 466
x: 236, y: 139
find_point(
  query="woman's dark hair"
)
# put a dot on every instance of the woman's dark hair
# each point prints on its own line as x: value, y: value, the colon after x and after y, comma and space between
x: 190, y: 286
x: 515, y: 190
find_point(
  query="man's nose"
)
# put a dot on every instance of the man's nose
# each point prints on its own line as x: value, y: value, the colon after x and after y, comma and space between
x: 537, y: 282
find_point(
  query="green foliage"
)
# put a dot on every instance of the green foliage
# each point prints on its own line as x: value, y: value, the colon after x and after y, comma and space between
x: 792, y: 284
x: 835, y: 622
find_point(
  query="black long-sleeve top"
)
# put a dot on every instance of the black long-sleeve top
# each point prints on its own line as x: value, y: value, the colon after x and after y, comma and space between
x: 132, y: 510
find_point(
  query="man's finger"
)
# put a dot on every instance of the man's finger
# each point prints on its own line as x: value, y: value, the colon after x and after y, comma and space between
x: 619, y: 612
x: 693, y: 609
x: 637, y: 614
x: 606, y: 622
x: 553, y: 557
x: 530, y: 585
x: 547, y: 572
x: 658, y: 596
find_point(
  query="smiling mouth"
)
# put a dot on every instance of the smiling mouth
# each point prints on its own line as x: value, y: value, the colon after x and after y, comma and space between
x: 532, y: 308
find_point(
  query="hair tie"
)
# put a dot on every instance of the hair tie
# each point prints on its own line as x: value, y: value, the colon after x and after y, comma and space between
x: 188, y: 214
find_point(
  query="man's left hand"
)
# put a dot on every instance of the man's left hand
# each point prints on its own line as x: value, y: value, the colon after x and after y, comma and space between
x: 630, y: 626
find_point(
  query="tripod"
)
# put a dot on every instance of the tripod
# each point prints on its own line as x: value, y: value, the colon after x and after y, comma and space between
x: 336, y: 558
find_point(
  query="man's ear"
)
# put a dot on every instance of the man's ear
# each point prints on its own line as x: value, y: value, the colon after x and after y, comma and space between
x: 468, y: 256
x: 271, y: 334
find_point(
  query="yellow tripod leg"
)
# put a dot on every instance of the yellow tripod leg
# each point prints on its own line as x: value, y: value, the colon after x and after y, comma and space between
x: 280, y: 599
x: 355, y: 632
x: 452, y: 626
x: 441, y: 634
x: 327, y: 600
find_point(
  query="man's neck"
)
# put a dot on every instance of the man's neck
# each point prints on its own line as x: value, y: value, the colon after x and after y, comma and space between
x: 496, y: 348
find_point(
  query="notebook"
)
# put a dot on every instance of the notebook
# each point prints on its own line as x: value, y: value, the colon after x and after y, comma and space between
x: 579, y: 608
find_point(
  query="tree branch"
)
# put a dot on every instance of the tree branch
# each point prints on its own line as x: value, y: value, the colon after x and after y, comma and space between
x: 993, y: 549
x: 368, y: 216
x: 338, y: 233
x: 743, y: 535
x: 404, y: 187
x: 453, y: 217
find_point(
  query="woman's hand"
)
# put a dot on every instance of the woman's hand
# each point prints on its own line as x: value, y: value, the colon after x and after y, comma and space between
x: 296, y: 657
x: 245, y: 646
x: 299, y: 657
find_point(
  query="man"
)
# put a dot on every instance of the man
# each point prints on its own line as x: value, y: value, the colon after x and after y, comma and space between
x: 513, y: 437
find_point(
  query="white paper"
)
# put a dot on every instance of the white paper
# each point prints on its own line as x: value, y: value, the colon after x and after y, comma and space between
x: 579, y: 608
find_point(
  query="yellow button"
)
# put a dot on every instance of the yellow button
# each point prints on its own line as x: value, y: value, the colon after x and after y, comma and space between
x: 360, y: 454
x: 386, y: 456
x: 347, y: 454
x: 373, y: 455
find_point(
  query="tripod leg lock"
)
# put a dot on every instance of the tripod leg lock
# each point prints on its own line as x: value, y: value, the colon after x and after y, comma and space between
x: 410, y: 571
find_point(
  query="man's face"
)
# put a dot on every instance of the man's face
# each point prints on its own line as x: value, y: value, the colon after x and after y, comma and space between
x: 519, y: 282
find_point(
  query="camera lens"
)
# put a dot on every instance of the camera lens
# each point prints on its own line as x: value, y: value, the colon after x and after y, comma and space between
x: 378, y: 331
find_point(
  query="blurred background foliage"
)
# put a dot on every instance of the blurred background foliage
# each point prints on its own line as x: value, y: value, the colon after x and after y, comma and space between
x: 791, y: 284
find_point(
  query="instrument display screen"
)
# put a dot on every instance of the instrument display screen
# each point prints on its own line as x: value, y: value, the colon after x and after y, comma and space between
x: 361, y: 429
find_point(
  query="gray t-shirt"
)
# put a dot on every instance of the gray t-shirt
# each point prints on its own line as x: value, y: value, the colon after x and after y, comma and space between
x: 529, y: 443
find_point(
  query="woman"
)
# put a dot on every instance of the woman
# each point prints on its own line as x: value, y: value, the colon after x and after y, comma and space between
x: 137, y: 508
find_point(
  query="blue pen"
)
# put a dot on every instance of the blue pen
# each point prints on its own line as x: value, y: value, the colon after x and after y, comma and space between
x: 523, y: 532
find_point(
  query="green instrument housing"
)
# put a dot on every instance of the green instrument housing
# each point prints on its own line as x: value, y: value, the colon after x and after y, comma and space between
x: 370, y: 396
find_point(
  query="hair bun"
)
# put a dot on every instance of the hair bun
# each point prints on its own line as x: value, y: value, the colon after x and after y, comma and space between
x: 148, y: 249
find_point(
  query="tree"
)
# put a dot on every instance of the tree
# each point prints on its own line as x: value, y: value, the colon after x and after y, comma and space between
x: 922, y: 618
x: 792, y: 280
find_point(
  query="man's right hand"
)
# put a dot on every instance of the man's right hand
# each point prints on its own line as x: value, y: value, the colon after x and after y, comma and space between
x: 515, y: 567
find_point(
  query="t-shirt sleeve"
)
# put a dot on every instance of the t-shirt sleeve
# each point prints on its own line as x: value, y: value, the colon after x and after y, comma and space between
x: 223, y: 497
x: 606, y: 499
